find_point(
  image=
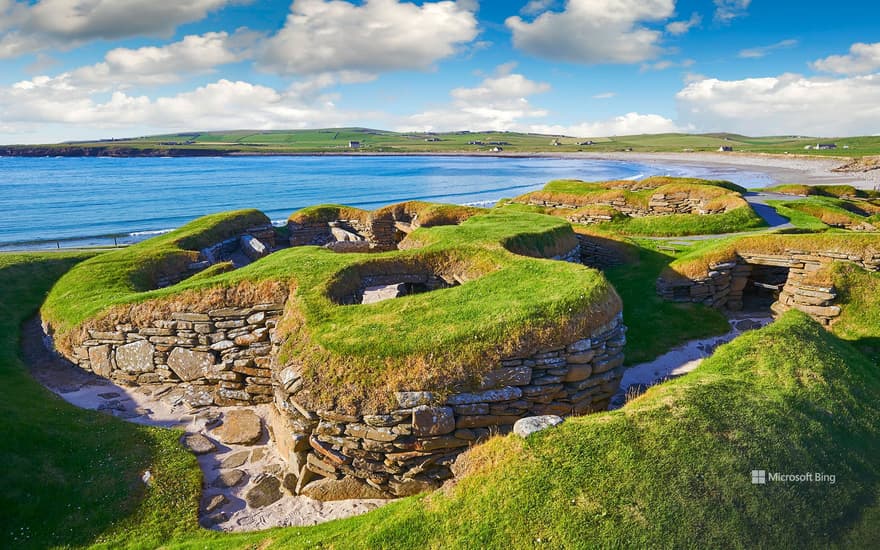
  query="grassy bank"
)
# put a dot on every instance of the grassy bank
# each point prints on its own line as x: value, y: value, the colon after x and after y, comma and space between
x: 670, y: 469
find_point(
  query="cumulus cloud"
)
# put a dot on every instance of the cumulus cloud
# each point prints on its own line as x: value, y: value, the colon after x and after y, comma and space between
x: 728, y: 10
x: 499, y: 102
x: 605, y: 95
x: 782, y: 105
x: 594, y: 31
x: 160, y: 65
x: 535, y: 7
x: 224, y: 104
x: 763, y: 51
x: 862, y: 58
x: 63, y: 23
x: 379, y: 35
x: 681, y: 27
x: 623, y: 125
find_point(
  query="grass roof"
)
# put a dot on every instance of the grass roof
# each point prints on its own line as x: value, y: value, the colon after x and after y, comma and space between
x: 513, y: 300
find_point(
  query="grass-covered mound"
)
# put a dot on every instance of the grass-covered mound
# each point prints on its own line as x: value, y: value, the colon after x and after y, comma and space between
x: 835, y: 191
x: 696, y: 263
x: 671, y: 469
x: 511, y: 301
x: 72, y: 477
x: 818, y: 213
x: 604, y: 201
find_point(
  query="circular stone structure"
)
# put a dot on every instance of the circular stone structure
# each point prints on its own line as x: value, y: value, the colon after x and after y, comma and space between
x: 487, y: 326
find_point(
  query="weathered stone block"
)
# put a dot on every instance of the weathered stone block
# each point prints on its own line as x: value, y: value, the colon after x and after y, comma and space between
x: 136, y: 357
x: 100, y: 360
x: 190, y: 365
x: 430, y: 421
x: 503, y: 394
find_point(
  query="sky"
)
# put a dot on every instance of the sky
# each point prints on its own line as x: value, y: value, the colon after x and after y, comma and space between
x: 89, y: 69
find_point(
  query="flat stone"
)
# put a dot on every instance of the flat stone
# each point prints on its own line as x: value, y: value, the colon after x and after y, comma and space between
x: 429, y: 421
x: 190, y: 365
x: 341, y: 489
x: 410, y: 399
x: 215, y: 502
x: 234, y: 460
x: 491, y: 396
x: 506, y: 376
x: 266, y: 490
x: 410, y: 487
x: 198, y: 444
x: 228, y: 478
x: 136, y: 357
x: 240, y: 427
x: 525, y: 427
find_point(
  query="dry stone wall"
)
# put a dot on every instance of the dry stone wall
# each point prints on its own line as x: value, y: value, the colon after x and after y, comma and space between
x: 658, y: 204
x: 411, y: 448
x: 222, y: 356
x: 725, y: 284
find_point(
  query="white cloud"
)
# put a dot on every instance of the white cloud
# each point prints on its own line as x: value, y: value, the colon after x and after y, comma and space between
x: 681, y: 27
x: 65, y: 23
x: 728, y: 10
x: 628, y: 124
x: 762, y: 51
x: 30, y: 105
x: 604, y: 95
x: 594, y: 31
x: 159, y: 65
x: 535, y: 7
x: 787, y: 104
x: 862, y: 58
x: 667, y: 64
x: 379, y: 35
x: 500, y: 102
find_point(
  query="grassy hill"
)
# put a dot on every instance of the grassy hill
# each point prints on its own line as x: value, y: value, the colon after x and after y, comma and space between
x: 336, y: 140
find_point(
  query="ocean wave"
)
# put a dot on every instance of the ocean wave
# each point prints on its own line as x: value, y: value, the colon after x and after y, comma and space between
x: 149, y: 233
x: 481, y: 204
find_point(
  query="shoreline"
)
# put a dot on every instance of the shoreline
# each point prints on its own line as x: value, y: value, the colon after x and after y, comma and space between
x: 803, y: 169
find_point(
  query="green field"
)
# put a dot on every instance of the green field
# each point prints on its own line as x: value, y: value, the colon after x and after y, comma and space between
x: 336, y: 140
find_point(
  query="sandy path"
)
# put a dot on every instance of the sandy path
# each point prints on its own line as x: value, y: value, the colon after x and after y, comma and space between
x: 162, y: 406
x: 681, y: 360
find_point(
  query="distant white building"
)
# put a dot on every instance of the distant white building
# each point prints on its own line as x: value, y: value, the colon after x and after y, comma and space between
x: 497, y: 149
x: 725, y: 149
x: 825, y: 146
x: 432, y: 139
x: 354, y: 144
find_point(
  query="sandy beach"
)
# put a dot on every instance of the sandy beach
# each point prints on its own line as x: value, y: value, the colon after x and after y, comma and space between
x: 783, y: 169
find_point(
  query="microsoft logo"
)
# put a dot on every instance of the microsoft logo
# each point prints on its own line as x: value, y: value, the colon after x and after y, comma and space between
x: 759, y: 477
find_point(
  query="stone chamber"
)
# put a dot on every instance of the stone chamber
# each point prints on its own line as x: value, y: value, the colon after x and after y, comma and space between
x: 232, y: 354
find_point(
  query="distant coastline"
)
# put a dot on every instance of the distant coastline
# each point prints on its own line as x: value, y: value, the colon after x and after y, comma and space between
x: 811, y: 170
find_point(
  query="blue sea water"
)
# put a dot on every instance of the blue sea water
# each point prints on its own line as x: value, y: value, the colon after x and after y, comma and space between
x: 50, y: 202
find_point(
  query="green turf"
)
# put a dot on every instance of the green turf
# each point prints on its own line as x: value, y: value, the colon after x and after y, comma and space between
x: 676, y: 225
x: 336, y: 140
x: 511, y: 297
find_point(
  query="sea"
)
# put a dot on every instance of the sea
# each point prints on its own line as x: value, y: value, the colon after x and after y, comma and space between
x: 48, y: 203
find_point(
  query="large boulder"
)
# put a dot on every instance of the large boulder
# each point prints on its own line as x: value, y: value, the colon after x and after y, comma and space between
x: 136, y: 357
x: 190, y: 365
x: 240, y: 427
x: 253, y: 247
x: 341, y: 489
x: 525, y: 427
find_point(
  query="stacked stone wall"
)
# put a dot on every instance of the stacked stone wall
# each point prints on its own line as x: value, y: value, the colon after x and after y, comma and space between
x: 724, y: 285
x: 411, y: 448
x: 222, y: 356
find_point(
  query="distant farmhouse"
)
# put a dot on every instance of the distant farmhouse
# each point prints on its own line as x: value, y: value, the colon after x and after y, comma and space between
x: 588, y: 142
x: 725, y: 149
x: 432, y: 139
x: 497, y: 149
x: 822, y: 146
x: 354, y: 144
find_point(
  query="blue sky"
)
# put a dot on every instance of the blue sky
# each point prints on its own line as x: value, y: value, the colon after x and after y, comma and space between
x: 81, y: 69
